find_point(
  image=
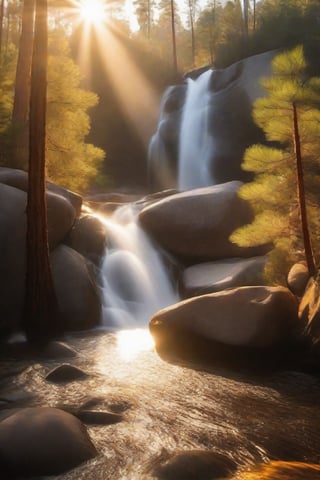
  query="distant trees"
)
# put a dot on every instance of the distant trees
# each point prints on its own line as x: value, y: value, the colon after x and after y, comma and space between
x: 71, y: 161
x: 285, y: 191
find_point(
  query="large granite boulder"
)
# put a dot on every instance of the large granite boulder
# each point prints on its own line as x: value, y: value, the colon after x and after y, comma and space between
x: 42, y: 441
x: 256, y: 317
x: 77, y: 293
x: 61, y: 215
x: 88, y: 237
x: 213, y: 277
x: 19, y: 179
x: 196, y: 225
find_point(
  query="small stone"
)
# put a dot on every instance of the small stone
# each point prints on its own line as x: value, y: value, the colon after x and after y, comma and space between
x: 65, y: 373
x: 95, y: 417
x: 196, y: 464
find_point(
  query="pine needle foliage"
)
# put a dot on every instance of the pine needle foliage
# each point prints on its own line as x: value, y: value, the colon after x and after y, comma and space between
x: 273, y: 192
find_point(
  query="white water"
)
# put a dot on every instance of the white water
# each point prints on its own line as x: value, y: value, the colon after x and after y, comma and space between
x: 135, y: 281
x: 196, y: 144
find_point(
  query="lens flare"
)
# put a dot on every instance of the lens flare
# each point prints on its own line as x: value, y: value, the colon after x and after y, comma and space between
x: 92, y: 12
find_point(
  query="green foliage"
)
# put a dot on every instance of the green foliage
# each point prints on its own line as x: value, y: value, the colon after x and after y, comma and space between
x: 273, y: 193
x: 279, y: 24
x: 70, y: 161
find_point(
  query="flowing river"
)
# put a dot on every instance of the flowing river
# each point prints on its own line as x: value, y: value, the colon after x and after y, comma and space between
x: 166, y: 408
x: 169, y: 408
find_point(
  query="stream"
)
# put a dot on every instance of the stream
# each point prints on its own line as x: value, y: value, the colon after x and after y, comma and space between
x: 170, y: 408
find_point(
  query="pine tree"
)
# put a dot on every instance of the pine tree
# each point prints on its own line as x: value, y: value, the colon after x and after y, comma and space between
x: 287, y: 175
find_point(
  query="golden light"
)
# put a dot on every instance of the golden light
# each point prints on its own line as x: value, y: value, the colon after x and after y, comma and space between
x: 92, y: 12
x: 132, y: 342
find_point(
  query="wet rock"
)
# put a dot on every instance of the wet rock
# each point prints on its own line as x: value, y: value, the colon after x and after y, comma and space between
x: 97, y: 417
x: 56, y: 350
x: 88, y: 237
x: 43, y: 441
x: 65, y: 373
x: 216, y: 276
x: 298, y: 277
x: 196, y: 465
x: 196, y: 225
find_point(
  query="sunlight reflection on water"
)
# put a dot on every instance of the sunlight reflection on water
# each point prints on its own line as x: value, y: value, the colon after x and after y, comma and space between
x: 132, y: 342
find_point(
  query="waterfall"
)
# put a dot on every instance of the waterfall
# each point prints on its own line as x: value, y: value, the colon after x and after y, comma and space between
x: 135, y: 282
x: 196, y: 144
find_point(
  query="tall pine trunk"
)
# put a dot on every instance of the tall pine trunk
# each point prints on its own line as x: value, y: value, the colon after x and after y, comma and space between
x: 20, y: 112
x: 301, y: 195
x: 41, y: 321
x: 1, y: 24
x: 174, y: 40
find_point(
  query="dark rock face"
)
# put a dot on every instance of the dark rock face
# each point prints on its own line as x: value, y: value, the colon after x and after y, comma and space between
x: 73, y: 274
x: 78, y: 297
x: 228, y: 111
x: 42, y: 441
x: 65, y: 373
x: 88, y: 237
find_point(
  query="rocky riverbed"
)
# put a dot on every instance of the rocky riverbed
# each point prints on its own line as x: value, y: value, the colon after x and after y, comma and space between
x: 163, y: 410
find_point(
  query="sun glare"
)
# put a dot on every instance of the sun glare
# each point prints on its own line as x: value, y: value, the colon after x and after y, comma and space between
x: 132, y: 342
x: 92, y: 12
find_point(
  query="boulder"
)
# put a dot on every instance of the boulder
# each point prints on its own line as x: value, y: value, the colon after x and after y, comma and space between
x: 213, y: 277
x: 42, y: 441
x: 196, y: 225
x: 74, y: 281
x: 255, y: 317
x: 13, y: 202
x: 61, y: 217
x: 88, y: 237
x: 194, y: 465
x: 19, y: 179
x: 12, y: 256
x: 298, y: 277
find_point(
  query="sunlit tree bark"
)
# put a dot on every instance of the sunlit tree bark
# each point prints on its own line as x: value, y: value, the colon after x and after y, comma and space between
x: 174, y: 41
x: 22, y: 85
x: 1, y: 24
x: 41, y: 320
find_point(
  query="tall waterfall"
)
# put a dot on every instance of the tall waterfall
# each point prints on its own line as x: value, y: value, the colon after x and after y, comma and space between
x: 196, y: 145
x: 135, y: 282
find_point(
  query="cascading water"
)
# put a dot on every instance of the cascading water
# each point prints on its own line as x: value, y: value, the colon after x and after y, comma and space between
x: 196, y: 144
x: 135, y: 282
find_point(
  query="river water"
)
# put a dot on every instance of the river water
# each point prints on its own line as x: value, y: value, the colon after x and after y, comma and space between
x: 170, y: 408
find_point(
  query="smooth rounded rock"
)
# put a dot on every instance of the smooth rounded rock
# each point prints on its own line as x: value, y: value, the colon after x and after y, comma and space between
x: 256, y: 317
x: 65, y: 373
x: 43, y: 441
x: 298, y: 277
x: 196, y: 225
x: 220, y: 275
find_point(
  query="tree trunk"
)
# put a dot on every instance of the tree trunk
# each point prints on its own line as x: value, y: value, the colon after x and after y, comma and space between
x: 301, y: 195
x: 1, y: 24
x: 193, y: 43
x: 41, y: 321
x: 246, y: 17
x: 20, y: 112
x: 174, y: 42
